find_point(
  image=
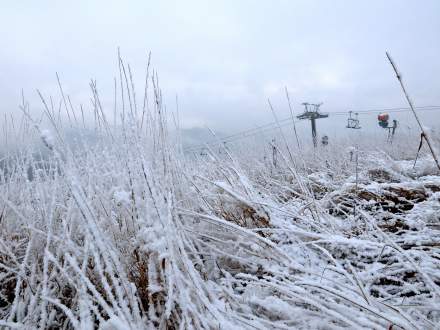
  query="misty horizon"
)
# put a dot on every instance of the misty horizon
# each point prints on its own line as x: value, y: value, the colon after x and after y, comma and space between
x: 224, y: 60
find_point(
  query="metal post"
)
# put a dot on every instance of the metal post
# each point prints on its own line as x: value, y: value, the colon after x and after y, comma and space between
x: 312, y: 120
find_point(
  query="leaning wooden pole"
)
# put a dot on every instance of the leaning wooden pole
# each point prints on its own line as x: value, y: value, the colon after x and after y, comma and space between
x: 425, y: 136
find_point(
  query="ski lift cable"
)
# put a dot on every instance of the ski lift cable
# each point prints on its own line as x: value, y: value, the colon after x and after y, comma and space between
x: 242, y: 135
x: 287, y: 121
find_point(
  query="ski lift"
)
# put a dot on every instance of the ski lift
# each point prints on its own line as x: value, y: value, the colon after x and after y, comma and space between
x: 383, y: 122
x: 353, y: 121
x: 311, y: 112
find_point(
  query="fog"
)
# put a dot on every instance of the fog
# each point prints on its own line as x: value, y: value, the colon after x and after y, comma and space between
x: 224, y: 59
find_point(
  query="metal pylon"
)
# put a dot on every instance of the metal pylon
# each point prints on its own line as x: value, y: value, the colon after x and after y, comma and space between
x: 312, y: 113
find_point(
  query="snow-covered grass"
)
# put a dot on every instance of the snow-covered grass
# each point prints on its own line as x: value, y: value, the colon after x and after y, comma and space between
x: 129, y: 232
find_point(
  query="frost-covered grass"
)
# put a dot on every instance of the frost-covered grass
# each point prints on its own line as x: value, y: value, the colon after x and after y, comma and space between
x: 129, y: 232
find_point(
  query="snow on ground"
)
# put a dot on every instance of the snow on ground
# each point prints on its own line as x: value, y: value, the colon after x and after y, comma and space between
x: 131, y: 233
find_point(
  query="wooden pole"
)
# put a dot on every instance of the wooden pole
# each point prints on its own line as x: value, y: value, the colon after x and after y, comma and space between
x: 428, y: 141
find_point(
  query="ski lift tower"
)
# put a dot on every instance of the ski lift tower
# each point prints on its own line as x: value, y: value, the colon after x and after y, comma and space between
x: 312, y: 113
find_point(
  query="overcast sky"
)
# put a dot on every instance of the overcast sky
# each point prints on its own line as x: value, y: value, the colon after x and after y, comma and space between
x: 225, y: 58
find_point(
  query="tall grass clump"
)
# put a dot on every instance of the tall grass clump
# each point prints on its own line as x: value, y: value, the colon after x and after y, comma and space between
x: 117, y: 228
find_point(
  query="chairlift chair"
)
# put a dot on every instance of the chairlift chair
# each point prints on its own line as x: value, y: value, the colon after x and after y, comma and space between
x: 353, y: 121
